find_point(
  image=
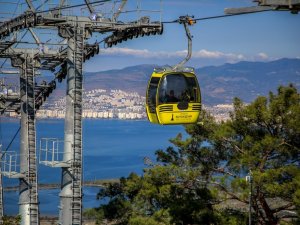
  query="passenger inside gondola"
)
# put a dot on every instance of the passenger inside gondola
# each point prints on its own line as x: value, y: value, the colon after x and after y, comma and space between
x: 171, y: 97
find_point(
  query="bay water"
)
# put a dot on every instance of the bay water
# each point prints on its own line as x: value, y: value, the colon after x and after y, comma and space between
x: 111, y: 149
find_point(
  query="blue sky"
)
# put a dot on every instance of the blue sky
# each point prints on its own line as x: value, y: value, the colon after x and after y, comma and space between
x: 262, y: 36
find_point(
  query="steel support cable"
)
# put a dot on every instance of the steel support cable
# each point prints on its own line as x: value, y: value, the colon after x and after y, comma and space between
x: 34, y: 43
x: 90, y: 7
x: 10, y: 143
x: 207, y: 18
x: 216, y: 17
x: 17, y: 42
x: 6, y: 60
x: 163, y: 22
x: 14, y: 137
x: 11, y: 18
x: 72, y: 6
x: 4, y: 63
x: 16, y: 7
x: 174, y: 21
x: 14, y: 13
x: 42, y: 4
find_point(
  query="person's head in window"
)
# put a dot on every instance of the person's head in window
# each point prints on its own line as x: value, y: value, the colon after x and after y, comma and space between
x: 171, y: 97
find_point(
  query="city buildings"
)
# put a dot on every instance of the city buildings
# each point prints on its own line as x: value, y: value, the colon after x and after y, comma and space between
x: 117, y: 104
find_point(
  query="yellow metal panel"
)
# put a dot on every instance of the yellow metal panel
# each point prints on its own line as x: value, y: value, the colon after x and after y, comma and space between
x: 168, y: 113
x: 177, y: 116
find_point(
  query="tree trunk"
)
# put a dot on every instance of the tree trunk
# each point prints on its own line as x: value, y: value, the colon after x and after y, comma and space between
x: 272, y: 220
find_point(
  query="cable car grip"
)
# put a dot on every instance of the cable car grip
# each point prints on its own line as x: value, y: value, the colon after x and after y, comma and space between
x: 186, y: 21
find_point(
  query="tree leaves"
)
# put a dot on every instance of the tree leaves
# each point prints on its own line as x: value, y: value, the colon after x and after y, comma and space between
x: 195, y: 180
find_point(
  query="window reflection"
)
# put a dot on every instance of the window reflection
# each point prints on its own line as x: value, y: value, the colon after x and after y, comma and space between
x: 152, y: 93
x: 177, y: 88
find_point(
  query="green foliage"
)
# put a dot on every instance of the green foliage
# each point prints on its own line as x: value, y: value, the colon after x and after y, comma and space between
x: 264, y: 138
x: 160, y: 217
x: 119, y: 208
x: 232, y: 217
x: 8, y: 220
x: 195, y: 178
x: 95, y: 214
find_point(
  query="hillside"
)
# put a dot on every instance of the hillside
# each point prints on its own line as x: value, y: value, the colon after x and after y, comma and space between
x: 219, y: 84
x: 128, y: 79
x: 246, y: 80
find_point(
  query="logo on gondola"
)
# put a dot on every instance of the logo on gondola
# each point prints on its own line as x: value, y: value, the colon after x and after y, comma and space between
x: 184, y: 116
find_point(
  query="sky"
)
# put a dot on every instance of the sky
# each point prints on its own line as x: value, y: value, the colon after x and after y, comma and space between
x: 263, y: 36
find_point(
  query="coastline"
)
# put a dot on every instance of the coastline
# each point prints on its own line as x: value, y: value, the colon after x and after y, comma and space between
x: 47, y: 186
x: 17, y: 118
x: 113, y: 148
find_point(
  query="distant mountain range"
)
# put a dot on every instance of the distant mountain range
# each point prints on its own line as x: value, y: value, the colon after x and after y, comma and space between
x: 219, y: 84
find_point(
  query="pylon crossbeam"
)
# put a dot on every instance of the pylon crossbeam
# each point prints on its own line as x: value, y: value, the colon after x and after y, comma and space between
x: 76, y: 29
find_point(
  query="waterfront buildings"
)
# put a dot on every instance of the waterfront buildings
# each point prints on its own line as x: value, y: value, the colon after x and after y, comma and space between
x: 118, y: 104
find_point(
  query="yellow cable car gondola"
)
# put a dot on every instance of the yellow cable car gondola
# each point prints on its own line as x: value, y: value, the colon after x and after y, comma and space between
x: 173, y: 94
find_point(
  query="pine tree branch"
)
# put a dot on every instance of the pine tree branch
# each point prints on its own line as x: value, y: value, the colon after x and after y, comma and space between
x: 269, y: 127
x: 284, y: 207
x: 264, y: 160
x: 232, y: 195
x: 222, y: 170
x: 234, y: 146
x: 289, y: 216
x: 289, y: 145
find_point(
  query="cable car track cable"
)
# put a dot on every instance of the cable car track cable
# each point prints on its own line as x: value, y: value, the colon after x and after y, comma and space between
x: 165, y: 22
x: 71, y: 6
x: 215, y: 17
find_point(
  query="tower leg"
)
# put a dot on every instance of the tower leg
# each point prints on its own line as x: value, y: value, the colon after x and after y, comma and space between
x: 28, y: 195
x: 71, y: 179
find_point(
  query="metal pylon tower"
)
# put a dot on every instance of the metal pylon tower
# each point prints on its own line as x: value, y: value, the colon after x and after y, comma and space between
x: 28, y: 193
x: 77, y: 162
x: 75, y: 29
x: 71, y: 192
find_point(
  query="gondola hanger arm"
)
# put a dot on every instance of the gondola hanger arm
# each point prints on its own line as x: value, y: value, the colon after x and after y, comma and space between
x: 186, y: 21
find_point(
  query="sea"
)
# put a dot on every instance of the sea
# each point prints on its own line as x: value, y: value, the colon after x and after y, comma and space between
x: 111, y: 149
